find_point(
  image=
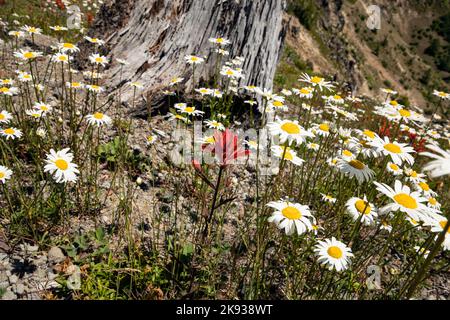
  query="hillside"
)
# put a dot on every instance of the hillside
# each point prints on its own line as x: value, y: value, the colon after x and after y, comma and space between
x: 409, y: 53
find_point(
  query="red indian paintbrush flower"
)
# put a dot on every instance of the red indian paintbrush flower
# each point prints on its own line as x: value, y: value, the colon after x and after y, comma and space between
x: 226, y: 147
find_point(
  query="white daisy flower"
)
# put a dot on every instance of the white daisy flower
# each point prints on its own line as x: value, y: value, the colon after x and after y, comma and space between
x: 213, y: 124
x: 98, y: 59
x: 11, y: 133
x: 98, y: 119
x: 60, y: 165
x: 361, y: 209
x: 190, y: 59
x: 357, y: 169
x: 289, y: 130
x: 68, y: 47
x: 5, y: 174
x: 286, y: 153
x: 316, y: 81
x: 441, y: 165
x: 399, y: 152
x: 291, y: 217
x: 334, y: 254
x: 5, y: 116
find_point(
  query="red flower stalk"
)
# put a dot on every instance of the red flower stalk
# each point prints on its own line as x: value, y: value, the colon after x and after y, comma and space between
x: 226, y: 147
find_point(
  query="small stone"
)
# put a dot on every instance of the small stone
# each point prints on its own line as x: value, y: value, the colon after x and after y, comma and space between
x: 9, y: 295
x: 13, y: 279
x: 55, y: 255
x: 19, y: 289
x: 32, y: 248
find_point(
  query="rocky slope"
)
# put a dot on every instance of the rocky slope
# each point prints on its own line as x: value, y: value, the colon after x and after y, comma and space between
x: 332, y: 38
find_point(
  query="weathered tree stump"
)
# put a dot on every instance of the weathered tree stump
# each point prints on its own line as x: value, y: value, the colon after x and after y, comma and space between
x: 155, y: 35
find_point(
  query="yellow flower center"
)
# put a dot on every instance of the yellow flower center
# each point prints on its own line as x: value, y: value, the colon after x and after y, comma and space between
x: 442, y: 94
x: 68, y: 45
x: 305, y: 90
x: 219, y: 40
x: 75, y: 84
x: 391, y: 147
x: 316, y: 79
x: 2, y: 116
x: 291, y: 128
x: 405, y: 113
x: 95, y: 87
x: 61, y: 164
x: 347, y: 153
x: 369, y: 133
x: 278, y: 104
x: 32, y: 29
x: 442, y: 224
x: 291, y: 213
x: 393, y: 103
x: 210, y: 140
x: 288, y: 155
x: 4, y: 90
x: 62, y: 58
x: 189, y: 109
x: 394, y: 167
x: 334, y: 252
x: 28, y: 55
x: 337, y: 97
x: 194, y: 58
x: 229, y: 72
x: 9, y: 131
x: 98, y: 116
x: 424, y: 186
x: 406, y: 201
x: 363, y: 207
x: 432, y: 201
x: 324, y: 127
x: 357, y: 164
x: 99, y: 59
x: 2, y: 175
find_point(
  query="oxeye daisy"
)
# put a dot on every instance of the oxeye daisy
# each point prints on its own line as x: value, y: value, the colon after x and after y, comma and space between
x: 151, y: 139
x: 68, y: 47
x: 322, y: 129
x: 441, y: 94
x: 213, y: 124
x: 413, y: 176
x: 183, y: 108
x: 6, y: 82
x: 60, y: 165
x: 217, y: 93
x: 276, y: 105
x: 34, y: 113
x: 422, y: 251
x: 333, y: 162
x: 5, y: 116
x: 411, y: 203
x: 98, y: 59
x: 94, y: 88
x: 95, y: 40
x: 291, y: 217
x: 231, y: 73
x: 359, y: 208
x: 204, y: 91
x: 394, y: 169
x: 5, y: 174
x: 389, y: 91
x: 306, y: 92
x: 337, y: 99
x: 11, y: 133
x: 316, y: 81
x: 423, y: 187
x: 25, y: 76
x: 347, y: 154
x: 9, y: 91
x: 357, y: 169
x: 27, y: 55
x: 220, y: 41
x: 438, y: 225
x: 367, y: 134
x: 334, y: 254
x: 58, y: 28
x: 17, y: 34
x: 286, y: 92
x: 441, y: 165
x: 42, y: 106
x: 289, y: 130
x: 286, y: 153
x: 328, y: 198
x: 433, y: 203
x: 175, y: 80
x: 384, y: 225
x: 190, y: 59
x: 61, y: 57
x: 207, y: 140
x: 313, y: 146
x: 399, y: 152
x: 31, y: 30
x: 75, y: 85
x: 175, y: 116
x: 98, y: 119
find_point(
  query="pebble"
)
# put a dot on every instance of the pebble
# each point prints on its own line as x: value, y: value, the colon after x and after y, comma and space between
x: 13, y: 279
x: 55, y: 255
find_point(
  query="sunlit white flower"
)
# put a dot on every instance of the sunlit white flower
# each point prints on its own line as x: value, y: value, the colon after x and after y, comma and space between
x: 190, y: 59
x: 95, y: 40
x: 58, y: 28
x: 11, y: 133
x: 94, y: 88
x: 99, y: 119
x: 399, y: 152
x: 75, y: 85
x: 5, y: 116
x: 17, y: 34
x: 291, y: 217
x: 60, y: 165
x: 220, y: 41
x: 34, y: 113
x: 422, y: 251
x: 289, y: 130
x: 316, y: 81
x: 286, y: 153
x: 357, y: 169
x: 328, y: 198
x: 183, y: 108
x: 361, y: 209
x: 31, y: 30
x: 61, y: 57
x: 334, y: 254
x: 25, y: 76
x: 441, y: 94
x: 27, y: 55
x: 68, y: 47
x: 6, y: 82
x: 441, y: 165
x: 394, y: 169
x: 98, y: 59
x: 213, y: 124
x: 5, y: 174
x: 411, y: 203
x: 176, y: 116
